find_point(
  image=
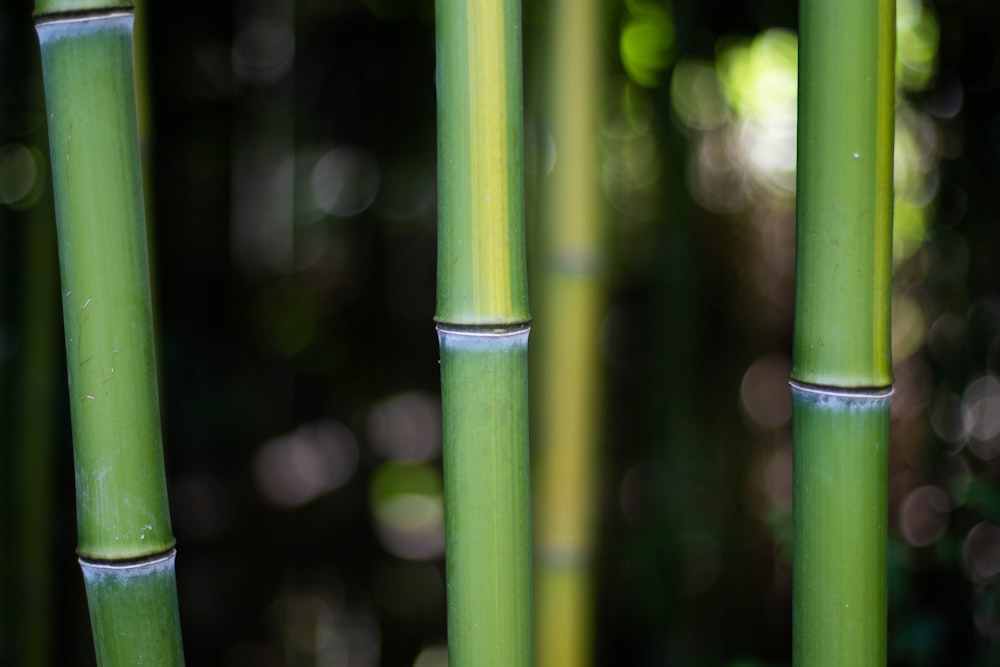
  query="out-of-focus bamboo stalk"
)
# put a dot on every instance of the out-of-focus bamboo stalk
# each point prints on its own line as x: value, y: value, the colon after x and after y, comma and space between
x: 568, y: 422
x: 34, y: 439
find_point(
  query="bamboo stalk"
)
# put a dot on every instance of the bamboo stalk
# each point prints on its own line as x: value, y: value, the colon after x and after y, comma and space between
x: 842, y: 366
x: 34, y: 442
x: 568, y: 424
x: 125, y: 540
x: 482, y: 318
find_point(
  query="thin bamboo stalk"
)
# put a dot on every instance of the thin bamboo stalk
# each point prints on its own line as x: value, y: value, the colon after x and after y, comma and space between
x: 568, y: 425
x: 34, y: 442
x: 482, y: 318
x: 842, y: 366
x: 125, y: 540
x: 36, y: 404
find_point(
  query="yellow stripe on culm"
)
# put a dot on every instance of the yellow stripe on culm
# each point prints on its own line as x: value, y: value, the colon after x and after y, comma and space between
x: 488, y: 137
x: 885, y: 121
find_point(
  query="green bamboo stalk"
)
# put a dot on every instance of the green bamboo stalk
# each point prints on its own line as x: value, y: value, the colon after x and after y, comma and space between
x: 125, y: 539
x: 842, y: 366
x: 568, y: 425
x: 35, y: 401
x: 482, y: 320
x: 34, y: 442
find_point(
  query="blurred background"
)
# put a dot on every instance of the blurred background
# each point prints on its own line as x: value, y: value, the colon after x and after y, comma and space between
x: 290, y: 147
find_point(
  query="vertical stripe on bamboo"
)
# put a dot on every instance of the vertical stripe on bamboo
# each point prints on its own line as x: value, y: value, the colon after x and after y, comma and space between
x: 481, y: 258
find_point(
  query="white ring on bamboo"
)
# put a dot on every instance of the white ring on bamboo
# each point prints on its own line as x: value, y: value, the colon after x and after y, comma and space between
x: 483, y: 339
x: 155, y: 562
x: 486, y: 332
x: 843, y: 392
x: 83, y: 18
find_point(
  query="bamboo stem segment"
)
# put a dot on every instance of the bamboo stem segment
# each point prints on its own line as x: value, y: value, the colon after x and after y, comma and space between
x: 122, y: 500
x: 482, y: 277
x: 130, y: 622
x: 842, y: 364
x: 486, y: 476
x: 122, y: 512
x: 844, y: 194
x: 567, y: 472
x: 840, y: 507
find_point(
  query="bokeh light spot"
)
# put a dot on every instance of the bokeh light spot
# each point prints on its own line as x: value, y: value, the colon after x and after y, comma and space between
x: 981, y: 552
x: 694, y: 92
x: 760, y: 78
x: 406, y: 427
x: 981, y: 402
x: 632, y: 165
x: 345, y: 181
x: 924, y: 515
x: 759, y: 81
x: 647, y: 42
x: 917, y: 39
x: 20, y: 175
x: 946, y: 338
x: 293, y: 469
x: 435, y: 655
x: 408, y: 505
x: 947, y: 417
x: 764, y: 391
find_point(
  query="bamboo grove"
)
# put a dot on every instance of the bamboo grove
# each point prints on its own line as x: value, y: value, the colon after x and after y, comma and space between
x: 525, y: 486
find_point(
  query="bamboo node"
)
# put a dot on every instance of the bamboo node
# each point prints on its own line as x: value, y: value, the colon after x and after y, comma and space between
x: 135, y: 565
x: 484, y: 330
x: 852, y: 393
x: 83, y: 16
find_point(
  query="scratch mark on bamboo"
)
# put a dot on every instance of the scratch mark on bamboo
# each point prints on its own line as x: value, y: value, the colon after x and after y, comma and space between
x: 111, y: 371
